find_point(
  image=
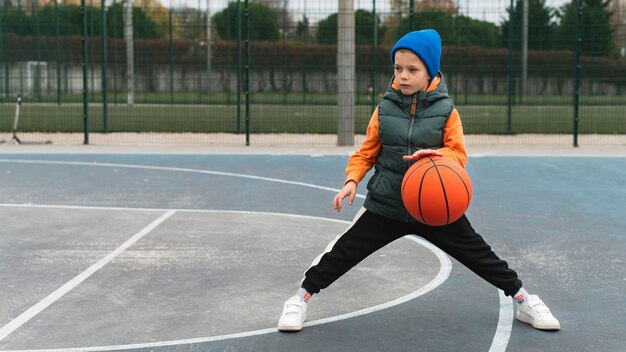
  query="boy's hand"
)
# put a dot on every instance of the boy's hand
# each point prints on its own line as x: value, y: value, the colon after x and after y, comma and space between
x: 349, y: 189
x: 422, y: 154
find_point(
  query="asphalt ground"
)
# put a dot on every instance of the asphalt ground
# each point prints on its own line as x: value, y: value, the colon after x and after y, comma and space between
x: 196, y: 249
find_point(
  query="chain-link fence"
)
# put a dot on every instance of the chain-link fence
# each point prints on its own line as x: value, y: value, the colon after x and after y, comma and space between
x: 268, y: 72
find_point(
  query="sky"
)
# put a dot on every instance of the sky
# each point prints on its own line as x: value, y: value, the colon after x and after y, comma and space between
x: 488, y: 10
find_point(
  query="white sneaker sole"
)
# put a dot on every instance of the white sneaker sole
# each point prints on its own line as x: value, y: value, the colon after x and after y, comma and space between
x: 291, y: 326
x: 537, y: 325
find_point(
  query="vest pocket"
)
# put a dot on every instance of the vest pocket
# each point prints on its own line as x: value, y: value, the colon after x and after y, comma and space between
x: 374, y: 181
x: 381, y: 187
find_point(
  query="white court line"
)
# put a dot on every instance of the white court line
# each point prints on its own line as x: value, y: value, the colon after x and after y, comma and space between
x: 88, y: 207
x: 177, y: 169
x: 54, y: 296
x: 505, y: 324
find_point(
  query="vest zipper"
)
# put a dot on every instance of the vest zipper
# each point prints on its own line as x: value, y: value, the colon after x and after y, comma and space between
x: 408, y: 139
x: 413, y: 109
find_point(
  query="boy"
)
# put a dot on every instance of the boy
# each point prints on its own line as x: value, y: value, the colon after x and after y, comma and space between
x: 414, y: 119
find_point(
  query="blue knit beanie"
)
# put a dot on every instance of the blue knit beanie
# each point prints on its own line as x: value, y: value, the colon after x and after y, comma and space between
x: 426, y: 44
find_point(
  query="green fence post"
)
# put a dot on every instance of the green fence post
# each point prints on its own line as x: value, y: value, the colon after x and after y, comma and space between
x: 115, y: 41
x: 577, y: 72
x: 103, y: 39
x: 283, y: 42
x: 509, y: 121
x: 373, y: 65
x: 171, y: 54
x: 239, y: 66
x: 84, y: 60
x: 20, y: 33
x: 88, y: 36
x: 36, y: 83
x: 231, y: 63
x: 4, y: 61
x: 247, y: 72
x: 65, y: 85
x: 209, y: 54
x: 58, y: 49
x: 92, y: 81
x: 196, y: 54
x: 62, y: 85
x: 46, y: 46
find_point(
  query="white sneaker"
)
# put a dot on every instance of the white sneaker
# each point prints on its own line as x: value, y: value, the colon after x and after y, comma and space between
x: 294, y: 314
x: 534, y: 312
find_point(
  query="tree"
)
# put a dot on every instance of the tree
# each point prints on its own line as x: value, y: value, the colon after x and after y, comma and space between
x: 190, y: 24
x: 327, y: 30
x: 16, y: 21
x: 472, y: 32
x: 71, y: 21
x: 454, y: 30
x: 69, y: 17
x: 595, y: 27
x: 541, y: 26
x: 284, y: 17
x: 143, y: 26
x: 302, y: 28
x: 156, y: 12
x: 364, y: 31
x: 263, y: 22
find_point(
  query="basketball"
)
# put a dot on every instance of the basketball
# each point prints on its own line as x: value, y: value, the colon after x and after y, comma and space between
x: 436, y: 191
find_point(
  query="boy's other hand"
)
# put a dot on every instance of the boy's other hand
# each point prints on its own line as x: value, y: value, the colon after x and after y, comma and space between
x: 422, y: 154
x: 348, y: 190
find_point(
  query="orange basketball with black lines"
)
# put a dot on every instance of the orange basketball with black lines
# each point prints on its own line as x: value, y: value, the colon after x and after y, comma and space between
x: 436, y: 191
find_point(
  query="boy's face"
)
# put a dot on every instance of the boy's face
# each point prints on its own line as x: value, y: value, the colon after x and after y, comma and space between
x: 411, y: 73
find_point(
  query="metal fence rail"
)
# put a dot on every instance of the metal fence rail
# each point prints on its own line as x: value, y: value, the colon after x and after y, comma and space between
x: 265, y: 71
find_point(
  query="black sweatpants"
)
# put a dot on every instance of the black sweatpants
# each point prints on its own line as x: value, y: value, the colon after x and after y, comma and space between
x: 370, y: 232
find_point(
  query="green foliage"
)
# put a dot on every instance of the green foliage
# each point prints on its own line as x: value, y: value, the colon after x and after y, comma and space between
x: 454, y: 30
x: 302, y: 28
x: 327, y: 30
x: 263, y: 22
x: 364, y: 31
x: 473, y: 32
x: 143, y: 26
x: 541, y: 27
x: 16, y: 21
x: 595, y: 27
x: 364, y: 22
x: 70, y: 21
x: 69, y: 17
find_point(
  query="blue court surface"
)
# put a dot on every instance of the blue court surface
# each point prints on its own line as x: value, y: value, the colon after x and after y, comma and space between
x: 149, y: 251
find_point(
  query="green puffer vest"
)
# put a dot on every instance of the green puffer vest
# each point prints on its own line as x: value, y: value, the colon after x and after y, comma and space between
x: 403, y: 134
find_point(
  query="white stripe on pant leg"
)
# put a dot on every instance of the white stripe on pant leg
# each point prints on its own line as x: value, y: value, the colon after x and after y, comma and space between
x: 332, y: 243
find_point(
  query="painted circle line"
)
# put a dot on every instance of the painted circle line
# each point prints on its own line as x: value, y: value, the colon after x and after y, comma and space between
x: 503, y: 330
x: 442, y: 275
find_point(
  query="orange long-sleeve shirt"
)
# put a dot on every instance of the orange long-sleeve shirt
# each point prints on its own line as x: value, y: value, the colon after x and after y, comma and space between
x: 363, y: 160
